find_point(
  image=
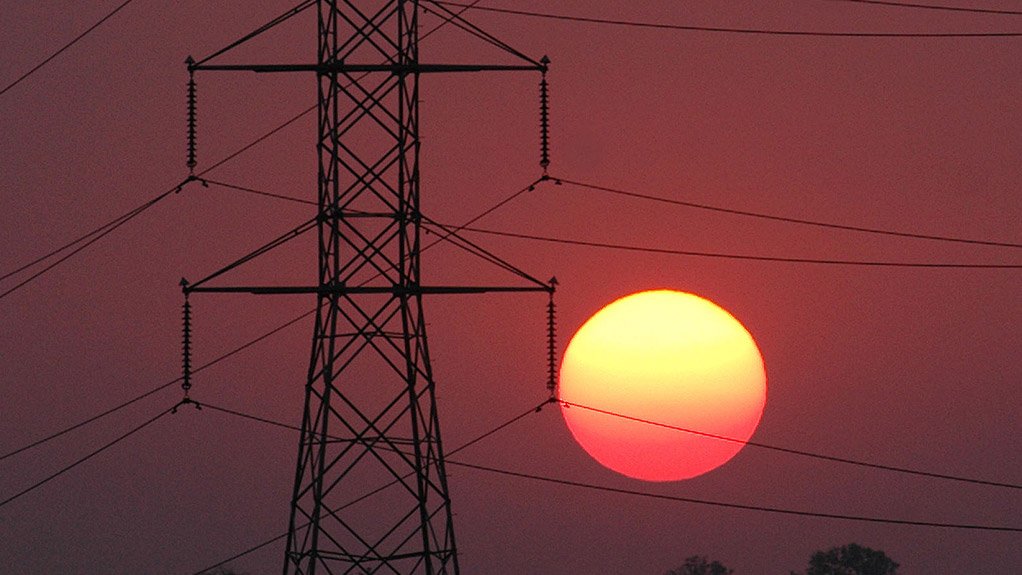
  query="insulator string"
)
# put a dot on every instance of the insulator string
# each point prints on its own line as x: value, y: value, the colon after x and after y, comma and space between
x: 186, y: 343
x: 551, y: 340
x: 544, y: 118
x: 191, y: 115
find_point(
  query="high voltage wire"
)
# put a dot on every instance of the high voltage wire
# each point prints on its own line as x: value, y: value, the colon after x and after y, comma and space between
x: 790, y: 220
x: 893, y: 4
x: 800, y: 452
x: 280, y: 240
x: 160, y: 387
x: 266, y: 335
x: 765, y: 509
x: 790, y: 451
x: 456, y: 19
x: 260, y: 193
x: 298, y: 9
x: 696, y: 205
x: 65, y: 47
x: 92, y: 454
x: 445, y: 233
x: 486, y: 255
x: 742, y: 257
x: 117, y: 222
x: 112, y: 225
x: 105, y: 229
x: 732, y: 30
x: 95, y: 235
x: 572, y: 483
x: 366, y: 495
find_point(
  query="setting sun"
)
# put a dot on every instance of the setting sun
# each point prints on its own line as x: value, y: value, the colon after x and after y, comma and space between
x: 667, y: 357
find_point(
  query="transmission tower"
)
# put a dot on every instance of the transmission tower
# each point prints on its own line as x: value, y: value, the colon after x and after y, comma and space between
x: 370, y: 491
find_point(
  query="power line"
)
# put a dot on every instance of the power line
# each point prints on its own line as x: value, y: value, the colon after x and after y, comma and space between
x: 265, y: 420
x: 209, y: 169
x: 117, y: 222
x: 65, y: 47
x: 365, y: 496
x: 95, y: 235
x: 301, y: 7
x: 790, y: 220
x: 280, y: 240
x: 249, y: 551
x: 779, y: 510
x: 743, y: 257
x: 456, y: 19
x: 258, y: 140
x: 451, y: 235
x: 261, y: 193
x: 537, y: 409
x: 730, y: 30
x: 787, y: 450
x: 443, y: 232
x: 92, y: 454
x: 160, y: 387
x: 112, y: 223
x: 266, y: 335
x: 110, y: 226
x: 479, y: 216
x: 801, y: 452
x: 88, y: 421
x: 932, y: 7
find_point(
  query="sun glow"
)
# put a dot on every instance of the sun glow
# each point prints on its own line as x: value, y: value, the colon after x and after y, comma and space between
x: 668, y: 357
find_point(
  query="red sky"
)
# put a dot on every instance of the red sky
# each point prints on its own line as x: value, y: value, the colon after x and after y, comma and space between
x: 909, y: 367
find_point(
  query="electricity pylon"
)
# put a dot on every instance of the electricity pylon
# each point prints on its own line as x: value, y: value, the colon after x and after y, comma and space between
x: 370, y: 492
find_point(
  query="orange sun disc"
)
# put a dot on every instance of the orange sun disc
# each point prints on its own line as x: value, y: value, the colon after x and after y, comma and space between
x: 669, y: 358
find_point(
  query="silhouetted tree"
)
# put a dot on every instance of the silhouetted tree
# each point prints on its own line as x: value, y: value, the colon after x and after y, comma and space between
x: 221, y: 571
x: 698, y: 565
x: 850, y: 559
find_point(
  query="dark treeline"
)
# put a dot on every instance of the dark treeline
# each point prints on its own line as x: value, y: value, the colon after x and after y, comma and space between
x: 851, y: 559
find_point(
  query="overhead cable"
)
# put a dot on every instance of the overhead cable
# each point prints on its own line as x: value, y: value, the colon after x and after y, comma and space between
x: 893, y: 4
x: 65, y: 46
x: 266, y: 335
x: 800, y: 452
x: 725, y: 504
x: 733, y: 30
x: 85, y: 241
x: 458, y: 20
x: 744, y: 257
x: 81, y: 460
x: 160, y: 387
x: 450, y: 234
x: 790, y: 220
x: 116, y: 222
x: 261, y: 193
x: 298, y: 9
x: 364, y: 496
x: 280, y: 240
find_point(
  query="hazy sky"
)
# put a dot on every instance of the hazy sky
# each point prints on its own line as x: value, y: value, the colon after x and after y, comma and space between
x: 912, y: 367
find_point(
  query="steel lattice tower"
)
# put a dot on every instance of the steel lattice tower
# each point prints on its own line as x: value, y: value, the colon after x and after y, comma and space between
x: 370, y: 304
x: 370, y: 492
x: 369, y: 326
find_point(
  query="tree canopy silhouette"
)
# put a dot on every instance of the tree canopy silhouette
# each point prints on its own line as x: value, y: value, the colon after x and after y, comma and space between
x: 851, y: 559
x: 699, y: 565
